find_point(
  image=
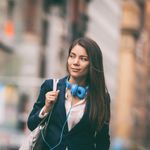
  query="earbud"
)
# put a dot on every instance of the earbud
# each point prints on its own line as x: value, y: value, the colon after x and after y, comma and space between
x: 76, y: 90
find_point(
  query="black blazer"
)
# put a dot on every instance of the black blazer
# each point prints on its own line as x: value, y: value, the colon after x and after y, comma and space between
x: 80, y: 137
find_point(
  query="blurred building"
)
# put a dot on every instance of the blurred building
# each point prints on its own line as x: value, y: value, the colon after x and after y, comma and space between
x: 20, y: 46
x: 131, y: 128
x: 142, y: 98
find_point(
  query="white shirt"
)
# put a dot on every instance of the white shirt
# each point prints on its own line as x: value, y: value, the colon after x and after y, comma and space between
x: 74, y: 112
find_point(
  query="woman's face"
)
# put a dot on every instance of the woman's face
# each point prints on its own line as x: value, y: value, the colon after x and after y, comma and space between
x: 78, y: 62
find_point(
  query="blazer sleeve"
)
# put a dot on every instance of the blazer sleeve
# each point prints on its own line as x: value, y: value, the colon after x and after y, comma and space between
x: 34, y: 119
x: 102, y: 138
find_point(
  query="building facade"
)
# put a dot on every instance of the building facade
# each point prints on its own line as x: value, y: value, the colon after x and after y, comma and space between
x: 131, y: 129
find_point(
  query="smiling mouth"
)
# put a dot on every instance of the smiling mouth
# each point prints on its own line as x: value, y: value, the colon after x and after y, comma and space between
x: 75, y: 70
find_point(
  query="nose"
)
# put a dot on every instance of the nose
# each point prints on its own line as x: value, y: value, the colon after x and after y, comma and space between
x: 76, y: 61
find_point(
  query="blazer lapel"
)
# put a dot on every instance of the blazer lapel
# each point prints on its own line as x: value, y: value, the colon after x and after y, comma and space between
x: 83, y: 123
x: 61, y: 102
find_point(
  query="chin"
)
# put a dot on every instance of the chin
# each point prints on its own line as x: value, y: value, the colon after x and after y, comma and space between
x: 76, y: 76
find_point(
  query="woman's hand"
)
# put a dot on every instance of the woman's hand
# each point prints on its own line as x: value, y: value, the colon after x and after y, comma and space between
x: 50, y: 98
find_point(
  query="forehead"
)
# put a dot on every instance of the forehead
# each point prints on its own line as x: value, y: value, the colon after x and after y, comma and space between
x: 79, y: 50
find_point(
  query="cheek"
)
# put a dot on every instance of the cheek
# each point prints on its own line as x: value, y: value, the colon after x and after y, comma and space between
x: 68, y: 63
x: 86, y: 67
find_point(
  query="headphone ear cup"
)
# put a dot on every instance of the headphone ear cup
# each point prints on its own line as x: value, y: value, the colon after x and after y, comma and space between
x: 81, y: 92
x: 74, y: 89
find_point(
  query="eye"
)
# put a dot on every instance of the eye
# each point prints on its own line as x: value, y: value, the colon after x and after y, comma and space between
x: 72, y: 55
x: 84, y: 59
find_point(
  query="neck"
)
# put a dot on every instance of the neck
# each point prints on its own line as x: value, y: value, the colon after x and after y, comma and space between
x: 79, y: 81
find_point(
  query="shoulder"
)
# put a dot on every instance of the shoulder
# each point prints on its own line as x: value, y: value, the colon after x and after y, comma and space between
x: 49, y: 82
x: 62, y: 80
x: 46, y: 85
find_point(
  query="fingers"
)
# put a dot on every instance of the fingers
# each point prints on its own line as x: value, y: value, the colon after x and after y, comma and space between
x: 51, y: 96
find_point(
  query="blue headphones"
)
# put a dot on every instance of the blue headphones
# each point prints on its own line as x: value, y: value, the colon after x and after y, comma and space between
x: 76, y: 90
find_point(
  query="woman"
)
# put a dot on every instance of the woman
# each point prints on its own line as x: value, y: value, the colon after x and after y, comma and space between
x: 80, y: 118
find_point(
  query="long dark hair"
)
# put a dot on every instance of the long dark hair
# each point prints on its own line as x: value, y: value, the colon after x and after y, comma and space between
x: 98, y: 112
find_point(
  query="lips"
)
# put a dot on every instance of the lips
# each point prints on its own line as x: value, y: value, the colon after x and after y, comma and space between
x: 75, y: 69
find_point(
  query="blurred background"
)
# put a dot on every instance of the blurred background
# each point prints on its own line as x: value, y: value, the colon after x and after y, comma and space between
x: 34, y: 40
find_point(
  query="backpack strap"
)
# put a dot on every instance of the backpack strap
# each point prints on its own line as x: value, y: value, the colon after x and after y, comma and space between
x: 55, y: 82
